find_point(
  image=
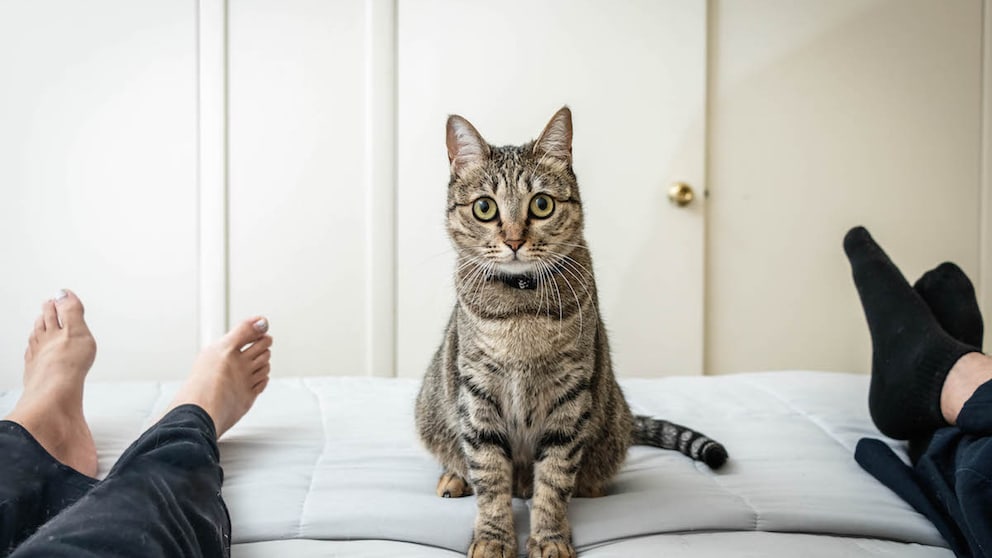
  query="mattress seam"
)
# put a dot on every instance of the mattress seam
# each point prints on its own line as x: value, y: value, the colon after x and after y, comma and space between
x: 806, y: 415
x: 755, y: 523
x: 320, y: 456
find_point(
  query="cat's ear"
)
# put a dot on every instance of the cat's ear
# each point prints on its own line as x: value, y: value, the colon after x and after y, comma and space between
x: 466, y: 148
x: 556, y: 139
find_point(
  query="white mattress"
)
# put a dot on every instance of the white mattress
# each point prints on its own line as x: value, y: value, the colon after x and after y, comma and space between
x: 332, y: 467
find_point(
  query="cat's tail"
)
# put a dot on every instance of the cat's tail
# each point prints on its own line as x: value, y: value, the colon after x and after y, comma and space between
x: 668, y: 435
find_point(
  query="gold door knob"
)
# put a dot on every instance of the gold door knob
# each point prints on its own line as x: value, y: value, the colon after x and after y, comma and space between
x: 681, y: 194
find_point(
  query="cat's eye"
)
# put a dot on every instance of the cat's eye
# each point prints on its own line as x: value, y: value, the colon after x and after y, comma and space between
x: 484, y: 209
x: 542, y: 206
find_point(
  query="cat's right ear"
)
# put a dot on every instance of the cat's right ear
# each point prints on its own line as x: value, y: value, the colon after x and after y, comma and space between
x: 466, y: 148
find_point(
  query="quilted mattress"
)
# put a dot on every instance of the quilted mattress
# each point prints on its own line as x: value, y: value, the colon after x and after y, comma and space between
x: 331, y: 466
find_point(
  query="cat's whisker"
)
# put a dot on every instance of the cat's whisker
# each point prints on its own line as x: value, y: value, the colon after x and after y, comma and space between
x: 547, y: 294
x: 573, y: 260
x: 474, y: 261
x: 577, y: 303
x: 560, y: 309
x: 586, y: 286
x: 429, y: 258
x: 577, y: 275
x: 580, y: 271
x: 480, y: 280
x: 540, y: 285
x: 570, y: 265
x: 469, y: 262
x: 478, y: 273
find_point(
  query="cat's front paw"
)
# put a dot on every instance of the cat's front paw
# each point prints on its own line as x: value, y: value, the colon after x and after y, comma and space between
x: 451, y: 485
x: 556, y: 548
x: 487, y: 548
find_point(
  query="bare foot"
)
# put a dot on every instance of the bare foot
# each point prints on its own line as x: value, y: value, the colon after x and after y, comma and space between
x: 228, y: 375
x: 60, y: 352
x: 967, y: 375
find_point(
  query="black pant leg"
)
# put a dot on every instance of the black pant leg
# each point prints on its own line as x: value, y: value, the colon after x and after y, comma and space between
x: 162, y: 499
x: 973, y: 485
x: 956, y: 469
x: 34, y: 486
x: 973, y: 470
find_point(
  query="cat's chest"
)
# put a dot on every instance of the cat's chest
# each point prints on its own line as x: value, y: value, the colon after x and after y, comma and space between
x: 525, y: 410
x: 530, y: 339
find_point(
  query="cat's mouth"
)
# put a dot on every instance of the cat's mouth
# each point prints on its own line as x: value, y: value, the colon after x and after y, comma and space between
x: 517, y: 267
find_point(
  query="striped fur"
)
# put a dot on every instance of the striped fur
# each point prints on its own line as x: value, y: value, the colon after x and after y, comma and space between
x: 520, y: 399
x: 669, y: 435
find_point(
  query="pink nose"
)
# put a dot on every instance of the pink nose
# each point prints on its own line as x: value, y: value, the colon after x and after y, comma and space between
x: 514, y: 244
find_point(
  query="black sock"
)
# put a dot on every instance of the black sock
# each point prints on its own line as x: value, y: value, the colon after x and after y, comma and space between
x: 951, y: 297
x: 911, y: 353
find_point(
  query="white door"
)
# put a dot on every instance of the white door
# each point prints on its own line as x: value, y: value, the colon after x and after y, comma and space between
x: 633, y: 73
x: 98, y: 178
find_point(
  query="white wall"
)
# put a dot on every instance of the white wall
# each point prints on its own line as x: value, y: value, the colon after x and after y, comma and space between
x: 300, y: 141
x: 98, y: 182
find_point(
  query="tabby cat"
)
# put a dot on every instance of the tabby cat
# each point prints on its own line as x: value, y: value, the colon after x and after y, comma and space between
x: 520, y: 399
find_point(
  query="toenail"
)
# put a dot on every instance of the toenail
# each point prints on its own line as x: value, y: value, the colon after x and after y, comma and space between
x: 262, y: 325
x: 59, y: 296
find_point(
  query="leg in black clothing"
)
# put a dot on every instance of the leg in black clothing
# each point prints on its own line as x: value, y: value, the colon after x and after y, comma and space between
x: 34, y: 486
x: 162, y: 499
x: 957, y: 469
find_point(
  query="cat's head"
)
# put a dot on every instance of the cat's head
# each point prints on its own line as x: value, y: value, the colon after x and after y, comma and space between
x: 514, y: 210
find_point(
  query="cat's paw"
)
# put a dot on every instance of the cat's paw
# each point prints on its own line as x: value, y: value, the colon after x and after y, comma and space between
x: 485, y: 548
x: 549, y: 549
x: 451, y: 485
x: 590, y: 491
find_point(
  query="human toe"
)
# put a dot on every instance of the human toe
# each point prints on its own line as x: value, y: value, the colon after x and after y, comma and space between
x: 258, y: 348
x: 248, y: 331
x: 69, y: 308
x: 49, y: 316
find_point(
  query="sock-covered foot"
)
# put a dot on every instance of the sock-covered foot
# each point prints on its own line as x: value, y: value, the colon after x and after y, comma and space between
x: 228, y: 375
x: 951, y: 297
x: 60, y: 352
x: 911, y: 353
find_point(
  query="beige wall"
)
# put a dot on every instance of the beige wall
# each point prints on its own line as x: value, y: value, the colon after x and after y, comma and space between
x: 824, y: 115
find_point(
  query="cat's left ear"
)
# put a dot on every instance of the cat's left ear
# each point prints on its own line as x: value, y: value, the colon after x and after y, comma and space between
x: 556, y: 139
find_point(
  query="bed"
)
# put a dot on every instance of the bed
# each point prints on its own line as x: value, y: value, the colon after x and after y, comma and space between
x: 331, y: 466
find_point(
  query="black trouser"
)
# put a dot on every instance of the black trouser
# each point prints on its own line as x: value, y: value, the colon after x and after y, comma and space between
x: 161, y: 499
x: 951, y: 483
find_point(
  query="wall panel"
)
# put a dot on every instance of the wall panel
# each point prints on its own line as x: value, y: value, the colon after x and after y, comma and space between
x: 98, y: 177
x: 297, y: 172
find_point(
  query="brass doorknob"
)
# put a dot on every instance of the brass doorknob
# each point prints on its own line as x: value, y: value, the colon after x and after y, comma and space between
x: 681, y: 194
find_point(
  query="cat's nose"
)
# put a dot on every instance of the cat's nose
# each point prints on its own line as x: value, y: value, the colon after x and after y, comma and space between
x: 514, y: 244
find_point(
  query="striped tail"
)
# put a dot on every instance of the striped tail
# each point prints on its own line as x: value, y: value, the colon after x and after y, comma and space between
x: 668, y: 435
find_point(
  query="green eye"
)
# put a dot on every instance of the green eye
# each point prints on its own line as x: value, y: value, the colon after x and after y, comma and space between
x: 542, y: 206
x: 484, y: 209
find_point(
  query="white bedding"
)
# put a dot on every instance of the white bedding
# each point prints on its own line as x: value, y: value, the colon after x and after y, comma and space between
x: 332, y: 467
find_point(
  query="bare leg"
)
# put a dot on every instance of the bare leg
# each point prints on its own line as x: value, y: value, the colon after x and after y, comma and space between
x: 228, y: 375
x: 60, y: 352
x: 968, y: 374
